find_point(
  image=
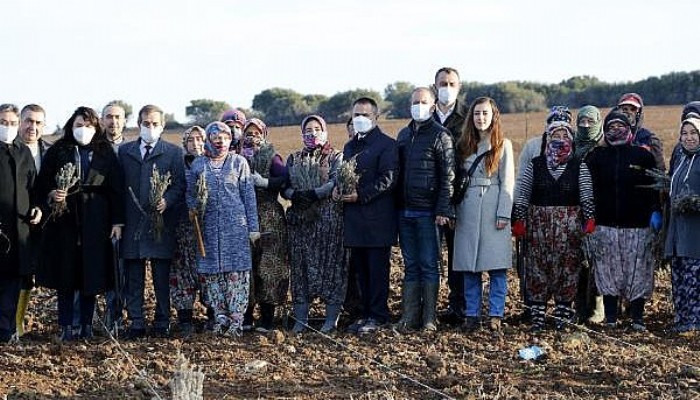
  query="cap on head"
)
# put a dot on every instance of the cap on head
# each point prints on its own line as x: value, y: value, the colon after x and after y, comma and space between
x: 616, y: 116
x: 632, y: 99
x: 234, y: 117
x: 559, y: 113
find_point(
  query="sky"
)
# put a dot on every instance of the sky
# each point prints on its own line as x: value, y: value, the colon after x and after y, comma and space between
x: 68, y: 53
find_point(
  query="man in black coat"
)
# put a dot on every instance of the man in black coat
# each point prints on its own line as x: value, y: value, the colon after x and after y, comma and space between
x: 427, y: 171
x: 369, y: 215
x: 17, y: 212
x: 450, y: 112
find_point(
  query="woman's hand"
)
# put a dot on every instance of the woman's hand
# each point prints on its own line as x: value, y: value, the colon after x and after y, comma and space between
x: 58, y: 195
x: 116, y: 232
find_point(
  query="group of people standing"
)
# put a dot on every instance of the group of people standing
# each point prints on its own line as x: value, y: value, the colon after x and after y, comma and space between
x: 207, y: 218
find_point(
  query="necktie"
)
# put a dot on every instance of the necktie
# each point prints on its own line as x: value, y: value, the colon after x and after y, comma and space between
x: 148, y: 151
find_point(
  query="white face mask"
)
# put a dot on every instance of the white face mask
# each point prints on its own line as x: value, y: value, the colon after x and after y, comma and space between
x: 150, y: 135
x: 8, y: 133
x: 420, y: 112
x: 83, y: 135
x: 361, y: 124
x: 447, y: 95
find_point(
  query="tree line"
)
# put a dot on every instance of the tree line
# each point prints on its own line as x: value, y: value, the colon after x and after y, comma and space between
x: 280, y: 106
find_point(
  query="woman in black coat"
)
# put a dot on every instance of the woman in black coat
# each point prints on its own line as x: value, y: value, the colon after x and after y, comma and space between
x: 76, y: 244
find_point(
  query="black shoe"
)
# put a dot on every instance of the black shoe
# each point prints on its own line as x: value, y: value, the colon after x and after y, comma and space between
x: 451, y: 318
x: 471, y: 324
x: 162, y: 333
x: 134, y: 334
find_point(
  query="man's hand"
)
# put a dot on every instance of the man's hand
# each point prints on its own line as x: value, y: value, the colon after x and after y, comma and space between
x: 350, y: 198
x: 440, y: 220
x: 116, y: 232
x: 35, y: 216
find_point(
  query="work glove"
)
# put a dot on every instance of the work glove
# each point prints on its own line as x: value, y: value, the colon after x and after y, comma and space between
x: 300, y: 200
x: 518, y: 229
x: 656, y: 221
x: 258, y: 180
x: 589, y: 226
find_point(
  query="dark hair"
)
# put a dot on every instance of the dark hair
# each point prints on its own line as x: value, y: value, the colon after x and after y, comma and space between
x: 149, y: 108
x: 447, y: 70
x: 367, y: 100
x: 99, y: 141
x: 113, y: 103
x: 32, y: 108
x: 9, y: 108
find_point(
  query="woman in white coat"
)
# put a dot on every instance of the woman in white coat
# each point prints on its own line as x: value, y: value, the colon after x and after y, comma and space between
x: 482, y: 233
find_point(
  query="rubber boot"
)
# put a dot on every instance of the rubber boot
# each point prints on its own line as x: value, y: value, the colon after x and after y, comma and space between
x: 563, y: 315
x: 410, y: 304
x: 610, y: 306
x: 637, y: 314
x: 538, y: 312
x: 332, y: 314
x: 598, y: 315
x: 267, y: 316
x: 86, y: 332
x: 66, y: 334
x: 184, y: 319
x: 430, y: 295
x: 248, y: 318
x: 301, y: 316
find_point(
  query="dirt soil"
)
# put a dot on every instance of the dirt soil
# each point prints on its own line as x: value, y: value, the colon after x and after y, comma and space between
x: 581, y: 363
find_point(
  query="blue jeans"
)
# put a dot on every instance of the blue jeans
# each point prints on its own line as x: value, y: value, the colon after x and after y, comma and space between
x: 419, y: 242
x: 136, y: 282
x: 498, y: 288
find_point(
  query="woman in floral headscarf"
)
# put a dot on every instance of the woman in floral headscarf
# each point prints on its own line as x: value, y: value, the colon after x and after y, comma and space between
x: 555, y: 196
x: 624, y: 211
x: 183, y: 275
x: 270, y: 255
x: 315, y: 225
x: 228, y: 220
x: 684, y: 225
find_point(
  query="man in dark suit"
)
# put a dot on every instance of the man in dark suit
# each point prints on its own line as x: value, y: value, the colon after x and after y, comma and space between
x: 139, y: 243
x: 17, y: 212
x: 450, y: 112
x: 369, y: 215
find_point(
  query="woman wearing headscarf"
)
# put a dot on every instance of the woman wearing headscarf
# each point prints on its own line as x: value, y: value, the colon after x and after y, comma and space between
x: 315, y: 224
x: 589, y: 134
x: 555, y: 197
x: 228, y: 221
x: 482, y: 231
x: 681, y: 240
x: 76, y: 243
x: 625, y: 209
x: 270, y: 281
x: 183, y: 270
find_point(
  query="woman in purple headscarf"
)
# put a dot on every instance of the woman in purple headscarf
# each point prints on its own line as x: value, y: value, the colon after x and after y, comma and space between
x: 315, y: 225
x: 270, y: 281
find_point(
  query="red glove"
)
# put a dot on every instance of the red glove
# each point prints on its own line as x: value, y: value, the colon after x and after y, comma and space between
x: 589, y: 226
x: 518, y: 228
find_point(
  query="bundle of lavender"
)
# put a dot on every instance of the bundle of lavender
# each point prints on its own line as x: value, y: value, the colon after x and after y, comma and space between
x: 687, y: 203
x: 202, y: 194
x: 159, y: 184
x: 262, y: 159
x: 662, y: 181
x: 66, y: 178
x: 348, y: 176
x: 305, y: 173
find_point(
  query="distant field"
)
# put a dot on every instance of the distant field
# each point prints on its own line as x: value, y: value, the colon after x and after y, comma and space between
x: 662, y: 120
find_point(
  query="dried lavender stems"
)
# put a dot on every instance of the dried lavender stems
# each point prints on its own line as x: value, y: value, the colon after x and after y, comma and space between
x: 66, y: 178
x: 159, y: 184
x: 262, y: 159
x: 198, y: 219
x: 305, y: 172
x: 348, y: 176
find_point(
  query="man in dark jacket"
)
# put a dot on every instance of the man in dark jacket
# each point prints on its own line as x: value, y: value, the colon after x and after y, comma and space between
x: 450, y: 113
x: 369, y: 214
x: 17, y: 174
x: 426, y: 160
x: 139, y: 242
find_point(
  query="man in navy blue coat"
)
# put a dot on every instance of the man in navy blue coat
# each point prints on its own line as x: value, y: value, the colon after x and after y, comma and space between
x: 370, y: 218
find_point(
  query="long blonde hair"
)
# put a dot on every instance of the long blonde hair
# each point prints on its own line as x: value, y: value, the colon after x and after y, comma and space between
x: 469, y: 139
